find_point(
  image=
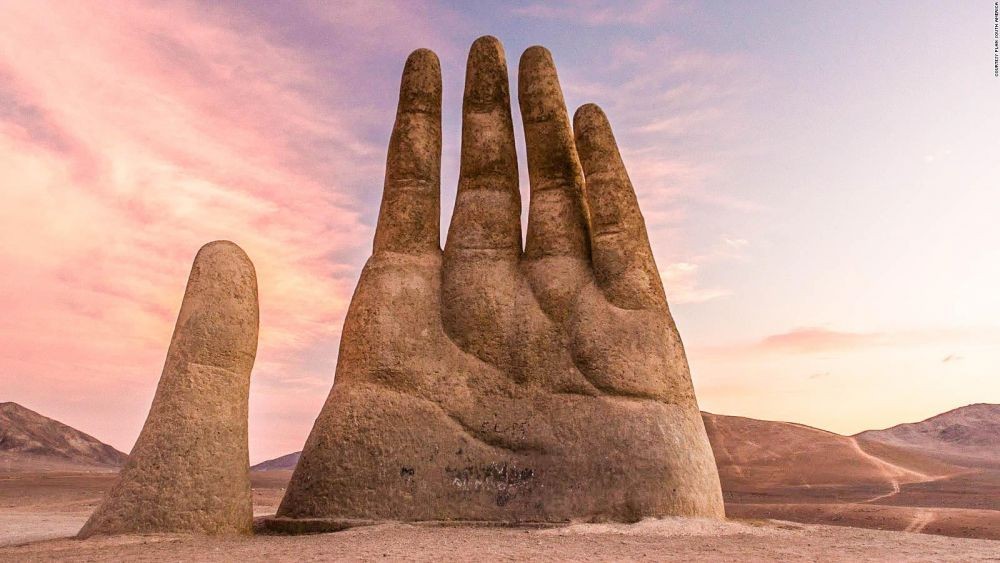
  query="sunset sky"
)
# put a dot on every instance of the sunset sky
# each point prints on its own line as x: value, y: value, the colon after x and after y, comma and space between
x: 821, y: 183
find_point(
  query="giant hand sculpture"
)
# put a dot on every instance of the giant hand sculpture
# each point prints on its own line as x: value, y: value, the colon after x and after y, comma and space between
x: 491, y: 383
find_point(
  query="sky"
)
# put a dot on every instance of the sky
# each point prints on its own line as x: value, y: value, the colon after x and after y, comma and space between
x: 819, y: 181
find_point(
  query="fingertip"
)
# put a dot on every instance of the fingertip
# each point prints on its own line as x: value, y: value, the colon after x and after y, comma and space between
x: 222, y: 268
x: 226, y: 245
x: 539, y: 93
x: 589, y: 115
x: 592, y: 133
x: 536, y: 56
x: 486, y: 56
x: 223, y: 251
x: 487, y: 43
x: 423, y: 59
x: 536, y: 63
x: 420, y: 88
x: 486, y: 80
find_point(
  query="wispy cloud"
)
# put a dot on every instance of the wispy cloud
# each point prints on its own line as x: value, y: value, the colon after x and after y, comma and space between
x: 681, y: 282
x: 689, y: 95
x: 130, y: 136
x: 597, y: 12
x: 674, y: 143
x: 821, y: 340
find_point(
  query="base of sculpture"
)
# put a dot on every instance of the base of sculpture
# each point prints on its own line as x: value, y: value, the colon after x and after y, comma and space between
x: 443, y: 468
x: 297, y: 526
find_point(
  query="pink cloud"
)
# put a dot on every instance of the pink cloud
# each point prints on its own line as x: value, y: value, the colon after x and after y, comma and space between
x: 813, y: 340
x: 132, y: 134
x: 820, y: 340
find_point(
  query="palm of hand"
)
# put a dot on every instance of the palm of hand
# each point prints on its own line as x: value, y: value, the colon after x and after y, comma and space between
x: 489, y: 383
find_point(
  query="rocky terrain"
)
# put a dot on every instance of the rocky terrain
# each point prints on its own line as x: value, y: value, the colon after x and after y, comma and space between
x: 968, y: 436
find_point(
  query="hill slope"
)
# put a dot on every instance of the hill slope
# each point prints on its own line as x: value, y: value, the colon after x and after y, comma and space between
x: 286, y: 461
x: 767, y: 459
x: 900, y: 482
x: 967, y: 436
x: 29, y: 440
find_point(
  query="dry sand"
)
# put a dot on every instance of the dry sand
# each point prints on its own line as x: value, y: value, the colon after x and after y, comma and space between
x: 39, y: 513
x: 676, y: 539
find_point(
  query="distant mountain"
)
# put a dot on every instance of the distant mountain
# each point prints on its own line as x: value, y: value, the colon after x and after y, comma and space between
x: 286, y: 461
x: 968, y: 436
x: 29, y: 440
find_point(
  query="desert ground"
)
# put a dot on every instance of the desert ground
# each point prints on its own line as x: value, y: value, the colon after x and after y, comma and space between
x: 40, y: 511
x: 927, y: 491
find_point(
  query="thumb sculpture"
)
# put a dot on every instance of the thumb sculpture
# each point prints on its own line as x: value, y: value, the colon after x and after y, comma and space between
x: 491, y: 382
x: 189, y: 469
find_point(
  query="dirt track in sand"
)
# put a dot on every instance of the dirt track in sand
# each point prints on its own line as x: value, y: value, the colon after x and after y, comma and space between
x: 789, y: 471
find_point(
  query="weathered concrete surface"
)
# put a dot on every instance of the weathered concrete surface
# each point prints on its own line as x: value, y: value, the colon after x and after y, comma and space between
x: 489, y: 383
x: 189, y: 469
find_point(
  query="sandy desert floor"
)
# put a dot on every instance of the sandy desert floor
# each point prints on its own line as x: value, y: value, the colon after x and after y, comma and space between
x: 673, y: 539
x: 966, y: 505
x: 40, y: 512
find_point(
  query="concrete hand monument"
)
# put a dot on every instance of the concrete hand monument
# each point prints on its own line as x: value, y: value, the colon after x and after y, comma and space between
x: 491, y: 382
x: 189, y: 468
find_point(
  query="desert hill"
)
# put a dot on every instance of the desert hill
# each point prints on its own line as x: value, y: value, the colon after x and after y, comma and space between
x: 966, y: 436
x: 931, y: 476
x: 30, y: 441
x: 286, y: 461
x: 761, y: 459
